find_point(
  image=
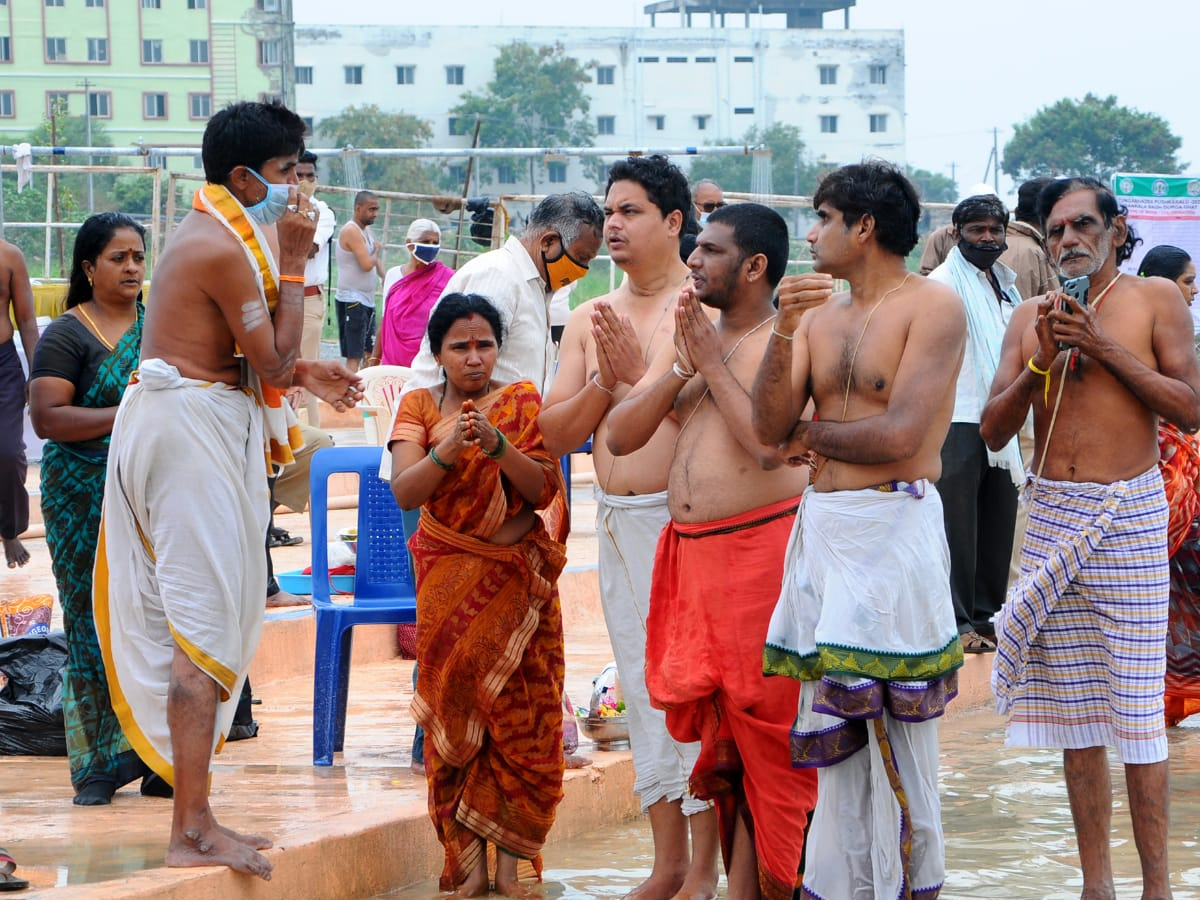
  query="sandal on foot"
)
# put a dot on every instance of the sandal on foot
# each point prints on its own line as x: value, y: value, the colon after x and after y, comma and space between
x: 9, y: 881
x: 280, y: 538
x: 974, y: 642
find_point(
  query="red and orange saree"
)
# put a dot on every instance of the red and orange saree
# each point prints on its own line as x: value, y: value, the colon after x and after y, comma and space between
x: 1179, y: 462
x: 489, y: 641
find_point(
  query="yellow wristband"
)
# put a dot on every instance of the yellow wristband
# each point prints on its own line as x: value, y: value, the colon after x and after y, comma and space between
x: 1045, y: 373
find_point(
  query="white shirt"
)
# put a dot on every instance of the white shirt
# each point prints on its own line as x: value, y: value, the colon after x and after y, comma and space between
x: 316, y: 270
x: 509, y: 278
x: 984, y: 307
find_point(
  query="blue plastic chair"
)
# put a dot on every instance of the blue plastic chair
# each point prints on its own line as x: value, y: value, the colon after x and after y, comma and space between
x: 383, y: 585
x: 565, y: 464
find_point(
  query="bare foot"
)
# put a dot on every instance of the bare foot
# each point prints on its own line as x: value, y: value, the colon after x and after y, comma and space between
x: 476, y: 885
x: 515, y: 889
x: 213, y: 847
x: 697, y: 888
x: 283, y: 598
x: 656, y: 887
x: 575, y: 761
x: 15, y: 553
x: 253, y: 841
x: 417, y: 768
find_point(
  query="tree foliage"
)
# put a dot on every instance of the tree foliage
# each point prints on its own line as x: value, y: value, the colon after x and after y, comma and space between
x: 933, y: 187
x: 1092, y: 136
x: 368, y: 126
x: 791, y: 170
x: 535, y: 99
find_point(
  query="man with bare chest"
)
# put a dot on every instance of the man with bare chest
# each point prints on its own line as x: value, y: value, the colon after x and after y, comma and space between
x: 606, y: 349
x: 180, y: 567
x: 719, y: 562
x: 865, y: 620
x: 1079, y: 657
x: 16, y: 297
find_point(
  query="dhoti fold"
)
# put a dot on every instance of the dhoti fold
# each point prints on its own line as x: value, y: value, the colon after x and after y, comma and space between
x: 1080, y: 642
x: 179, y: 560
x: 715, y: 584
x: 627, y: 530
x: 865, y: 621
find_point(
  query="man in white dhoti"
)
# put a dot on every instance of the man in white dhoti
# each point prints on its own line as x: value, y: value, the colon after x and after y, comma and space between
x: 180, y: 570
x: 865, y: 619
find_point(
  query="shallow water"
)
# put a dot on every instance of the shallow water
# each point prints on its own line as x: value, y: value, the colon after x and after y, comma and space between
x: 1004, y: 811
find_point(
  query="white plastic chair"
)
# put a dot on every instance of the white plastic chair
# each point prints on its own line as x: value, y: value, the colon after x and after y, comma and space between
x: 381, y: 395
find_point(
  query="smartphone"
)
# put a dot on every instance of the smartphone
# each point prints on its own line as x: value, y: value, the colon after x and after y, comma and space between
x: 1077, y: 290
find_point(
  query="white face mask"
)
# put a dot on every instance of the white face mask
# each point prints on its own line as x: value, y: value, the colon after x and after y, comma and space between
x: 269, y: 209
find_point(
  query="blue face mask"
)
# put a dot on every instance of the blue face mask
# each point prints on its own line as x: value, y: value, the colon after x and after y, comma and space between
x: 426, y: 253
x: 269, y: 209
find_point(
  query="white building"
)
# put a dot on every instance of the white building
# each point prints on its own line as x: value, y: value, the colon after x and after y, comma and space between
x: 653, y: 87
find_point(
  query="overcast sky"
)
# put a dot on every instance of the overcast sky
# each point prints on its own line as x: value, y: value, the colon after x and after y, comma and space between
x: 970, y: 67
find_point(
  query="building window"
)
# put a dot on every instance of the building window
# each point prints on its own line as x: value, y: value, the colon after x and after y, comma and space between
x: 5, y: 49
x: 8, y: 105
x: 606, y: 74
x: 56, y: 49
x: 152, y: 51
x: 647, y: 59
x: 743, y: 110
x: 154, y: 106
x: 658, y: 123
x: 304, y: 74
x: 308, y: 124
x: 676, y: 59
x: 706, y: 59
x: 878, y: 74
x: 197, y: 4
x: 199, y: 106
x: 406, y: 74
x: 454, y: 74
x: 878, y: 122
x: 606, y: 124
x: 54, y: 2
x: 100, y: 105
x: 828, y: 74
x: 56, y: 102
x: 456, y: 173
x: 151, y: 4
x: 198, y: 51
x: 702, y: 123
x: 828, y: 124
x: 743, y: 59
x: 268, y: 53
x: 94, y: 4
x: 353, y: 74
x: 506, y: 174
x: 557, y: 172
x: 97, y: 49
x: 268, y: 5
x: 458, y: 125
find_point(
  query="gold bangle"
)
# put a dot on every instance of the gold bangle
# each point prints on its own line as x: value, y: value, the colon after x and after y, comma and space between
x: 780, y: 334
x: 1045, y: 373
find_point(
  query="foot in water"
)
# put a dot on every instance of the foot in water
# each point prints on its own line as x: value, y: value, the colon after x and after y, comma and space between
x: 15, y: 553
x: 219, y: 846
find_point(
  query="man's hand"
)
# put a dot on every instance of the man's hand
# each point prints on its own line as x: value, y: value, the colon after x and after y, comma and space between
x: 699, y: 334
x: 329, y: 380
x: 1047, y: 350
x: 1074, y: 324
x: 795, y: 450
x: 296, y: 230
x: 618, y: 353
x: 294, y: 396
x: 797, y: 295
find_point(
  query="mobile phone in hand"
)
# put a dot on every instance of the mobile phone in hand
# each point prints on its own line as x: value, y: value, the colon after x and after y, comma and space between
x: 1077, y: 290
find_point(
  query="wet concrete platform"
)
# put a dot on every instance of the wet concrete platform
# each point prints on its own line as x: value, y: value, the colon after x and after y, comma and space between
x: 353, y: 830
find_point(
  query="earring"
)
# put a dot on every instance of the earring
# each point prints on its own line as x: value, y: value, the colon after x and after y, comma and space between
x: 89, y: 278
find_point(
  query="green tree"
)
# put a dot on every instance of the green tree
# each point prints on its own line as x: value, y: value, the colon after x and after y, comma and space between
x: 535, y: 99
x: 1092, y: 136
x: 369, y: 127
x: 791, y: 171
x: 932, y: 187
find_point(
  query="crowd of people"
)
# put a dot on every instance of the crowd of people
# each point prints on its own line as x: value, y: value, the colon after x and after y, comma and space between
x: 815, y: 493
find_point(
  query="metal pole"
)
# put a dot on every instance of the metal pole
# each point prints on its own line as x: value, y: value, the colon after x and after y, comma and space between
x: 87, y: 120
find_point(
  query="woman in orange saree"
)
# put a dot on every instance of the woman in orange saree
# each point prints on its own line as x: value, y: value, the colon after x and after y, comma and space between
x: 489, y: 625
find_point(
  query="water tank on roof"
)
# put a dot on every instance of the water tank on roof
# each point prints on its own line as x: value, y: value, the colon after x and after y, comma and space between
x: 800, y: 13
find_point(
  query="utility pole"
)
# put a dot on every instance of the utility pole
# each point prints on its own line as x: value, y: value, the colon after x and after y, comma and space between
x: 87, y: 86
x: 996, y: 158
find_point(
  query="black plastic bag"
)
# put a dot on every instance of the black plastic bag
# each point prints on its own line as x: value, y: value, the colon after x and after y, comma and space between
x: 31, y: 711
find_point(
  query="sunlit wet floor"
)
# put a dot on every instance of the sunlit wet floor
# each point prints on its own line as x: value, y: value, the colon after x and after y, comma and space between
x: 1004, y: 810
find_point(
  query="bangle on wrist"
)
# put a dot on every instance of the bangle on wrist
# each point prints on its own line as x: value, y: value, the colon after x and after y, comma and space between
x: 596, y: 382
x: 780, y: 334
x: 1045, y: 373
x: 293, y: 279
x: 682, y: 372
x: 437, y: 460
x: 501, y: 445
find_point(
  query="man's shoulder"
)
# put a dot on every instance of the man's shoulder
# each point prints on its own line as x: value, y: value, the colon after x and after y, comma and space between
x: 931, y: 291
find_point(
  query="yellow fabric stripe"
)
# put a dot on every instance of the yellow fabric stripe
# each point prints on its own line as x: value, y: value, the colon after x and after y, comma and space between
x: 133, y: 732
x: 215, y: 669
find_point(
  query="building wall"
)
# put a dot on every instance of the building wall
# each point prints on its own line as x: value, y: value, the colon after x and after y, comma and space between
x: 201, y: 54
x: 670, y: 87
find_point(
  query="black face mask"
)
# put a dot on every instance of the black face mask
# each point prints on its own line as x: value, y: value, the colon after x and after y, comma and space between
x: 980, y: 257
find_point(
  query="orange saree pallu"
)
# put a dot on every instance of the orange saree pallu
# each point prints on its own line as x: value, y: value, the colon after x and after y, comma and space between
x: 715, y: 586
x: 1179, y: 462
x: 489, y: 642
